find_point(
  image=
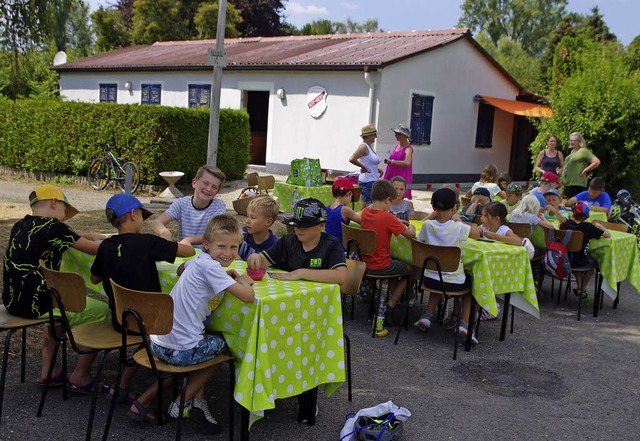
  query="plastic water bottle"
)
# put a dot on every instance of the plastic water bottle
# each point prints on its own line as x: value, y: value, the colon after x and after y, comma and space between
x: 295, y: 197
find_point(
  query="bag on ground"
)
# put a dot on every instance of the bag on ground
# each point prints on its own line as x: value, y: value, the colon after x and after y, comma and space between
x: 305, y: 172
x: 392, y: 417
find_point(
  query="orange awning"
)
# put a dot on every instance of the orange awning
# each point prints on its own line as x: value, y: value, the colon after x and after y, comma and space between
x: 521, y: 108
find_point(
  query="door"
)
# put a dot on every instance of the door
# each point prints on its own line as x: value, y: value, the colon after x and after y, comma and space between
x: 257, y: 106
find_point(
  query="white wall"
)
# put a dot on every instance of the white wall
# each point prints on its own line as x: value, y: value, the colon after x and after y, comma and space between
x: 455, y: 74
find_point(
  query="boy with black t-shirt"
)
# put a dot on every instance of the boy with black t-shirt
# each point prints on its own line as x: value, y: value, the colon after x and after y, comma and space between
x: 44, y: 235
x: 129, y: 257
x: 589, y: 231
x: 307, y: 253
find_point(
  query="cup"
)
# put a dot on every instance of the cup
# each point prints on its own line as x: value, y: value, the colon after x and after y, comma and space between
x: 256, y: 274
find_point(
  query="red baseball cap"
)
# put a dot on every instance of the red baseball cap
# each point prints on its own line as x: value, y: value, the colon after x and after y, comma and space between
x: 551, y: 177
x: 342, y: 184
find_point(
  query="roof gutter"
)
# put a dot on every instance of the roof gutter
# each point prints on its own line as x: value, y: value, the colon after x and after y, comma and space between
x: 372, y: 94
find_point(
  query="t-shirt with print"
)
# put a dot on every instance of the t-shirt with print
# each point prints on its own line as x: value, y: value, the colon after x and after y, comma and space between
x: 589, y: 231
x: 130, y: 260
x: 603, y: 199
x: 449, y: 234
x: 384, y: 224
x: 199, y: 290
x: 31, y: 239
x: 193, y: 221
x: 289, y: 255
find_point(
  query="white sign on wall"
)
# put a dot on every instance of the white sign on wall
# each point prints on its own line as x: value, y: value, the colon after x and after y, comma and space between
x: 316, y: 101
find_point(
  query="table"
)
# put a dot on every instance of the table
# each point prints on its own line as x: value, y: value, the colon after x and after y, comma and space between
x: 285, y: 194
x: 289, y: 340
x: 617, y: 258
x: 496, y: 268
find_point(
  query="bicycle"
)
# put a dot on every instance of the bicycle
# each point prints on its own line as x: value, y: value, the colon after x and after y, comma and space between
x: 103, y: 170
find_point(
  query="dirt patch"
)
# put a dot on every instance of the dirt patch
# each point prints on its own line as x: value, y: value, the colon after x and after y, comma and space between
x: 13, y: 211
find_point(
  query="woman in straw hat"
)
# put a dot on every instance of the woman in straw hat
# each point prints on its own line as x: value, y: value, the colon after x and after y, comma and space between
x: 401, y: 158
x: 366, y: 159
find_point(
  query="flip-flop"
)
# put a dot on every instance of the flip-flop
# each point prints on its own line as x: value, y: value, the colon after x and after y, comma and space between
x: 125, y: 395
x: 147, y: 414
x: 87, y: 389
x: 57, y: 381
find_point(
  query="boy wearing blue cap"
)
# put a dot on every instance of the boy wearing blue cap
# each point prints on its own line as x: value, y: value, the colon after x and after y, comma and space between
x: 581, y: 259
x: 129, y: 257
x: 553, y: 208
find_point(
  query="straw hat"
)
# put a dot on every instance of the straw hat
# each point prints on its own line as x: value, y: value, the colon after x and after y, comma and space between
x: 367, y: 130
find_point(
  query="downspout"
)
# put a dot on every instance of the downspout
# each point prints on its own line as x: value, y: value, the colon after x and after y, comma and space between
x: 372, y: 94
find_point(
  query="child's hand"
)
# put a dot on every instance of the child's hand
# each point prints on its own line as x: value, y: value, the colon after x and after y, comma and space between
x: 244, y: 279
x: 233, y: 274
x: 253, y: 261
x: 293, y: 275
x: 489, y: 234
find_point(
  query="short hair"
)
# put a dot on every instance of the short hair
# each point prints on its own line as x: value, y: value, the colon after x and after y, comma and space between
x: 528, y: 204
x: 480, y: 199
x: 113, y: 219
x: 382, y: 190
x: 215, y: 171
x: 222, y: 224
x: 504, y: 177
x: 496, y: 209
x: 398, y: 179
x: 265, y: 205
x: 597, y: 184
x: 489, y: 174
x: 579, y: 137
x: 456, y: 190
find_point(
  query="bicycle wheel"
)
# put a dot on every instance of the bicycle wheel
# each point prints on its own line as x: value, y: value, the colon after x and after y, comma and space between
x: 98, y: 174
x: 135, y: 176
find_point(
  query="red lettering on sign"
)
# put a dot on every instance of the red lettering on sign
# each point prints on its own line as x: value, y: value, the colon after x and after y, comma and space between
x: 316, y: 100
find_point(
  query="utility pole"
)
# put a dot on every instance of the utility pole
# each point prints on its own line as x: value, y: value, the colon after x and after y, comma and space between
x: 217, y: 57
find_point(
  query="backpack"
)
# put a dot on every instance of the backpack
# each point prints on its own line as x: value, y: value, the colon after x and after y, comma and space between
x: 556, y: 258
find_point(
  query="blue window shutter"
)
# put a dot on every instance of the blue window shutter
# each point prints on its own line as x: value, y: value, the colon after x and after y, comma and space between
x: 151, y: 93
x: 421, y: 117
x: 108, y: 93
x: 199, y: 95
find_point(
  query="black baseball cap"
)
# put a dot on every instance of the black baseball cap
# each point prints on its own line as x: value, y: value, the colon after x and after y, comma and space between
x: 443, y: 199
x: 308, y: 213
x: 482, y: 192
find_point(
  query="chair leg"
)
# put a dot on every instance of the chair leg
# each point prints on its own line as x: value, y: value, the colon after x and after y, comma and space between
x: 94, y: 400
x: 617, y: 300
x: 596, y: 295
x: 45, y: 389
x: 112, y: 405
x: 23, y: 357
x: 232, y: 403
x: 471, y: 324
x: 183, y: 390
x: 457, y: 331
x: 5, y: 363
x: 579, y: 298
x: 353, y: 306
x: 347, y: 345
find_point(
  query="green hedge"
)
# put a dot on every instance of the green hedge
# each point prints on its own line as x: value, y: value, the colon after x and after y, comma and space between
x: 64, y: 137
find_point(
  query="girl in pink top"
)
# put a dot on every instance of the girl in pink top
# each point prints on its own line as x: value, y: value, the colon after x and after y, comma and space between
x: 401, y: 159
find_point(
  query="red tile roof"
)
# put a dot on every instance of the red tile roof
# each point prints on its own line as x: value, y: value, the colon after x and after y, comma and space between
x: 335, y: 52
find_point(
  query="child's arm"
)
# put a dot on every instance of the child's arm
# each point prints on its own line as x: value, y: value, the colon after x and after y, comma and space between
x: 502, y: 194
x: 336, y: 275
x: 510, y: 238
x: 185, y: 250
x: 159, y: 226
x: 86, y: 246
x: 93, y: 236
x: 571, y: 202
x: 192, y: 240
x: 545, y: 223
x: 598, y: 208
x: 605, y: 232
x: 410, y: 232
x: 95, y: 279
x: 257, y: 260
x: 475, y: 231
x: 242, y: 289
x: 350, y: 215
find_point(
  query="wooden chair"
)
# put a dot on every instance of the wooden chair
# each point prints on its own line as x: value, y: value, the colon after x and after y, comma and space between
x: 152, y: 313
x: 524, y: 230
x: 443, y: 259
x: 520, y: 229
x: 419, y: 215
x: 623, y: 228
x: 69, y: 294
x: 363, y: 242
x: 12, y: 323
x: 355, y: 273
x: 266, y: 183
x: 252, y: 179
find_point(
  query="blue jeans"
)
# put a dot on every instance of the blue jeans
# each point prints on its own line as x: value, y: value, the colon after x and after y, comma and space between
x: 366, y: 192
x: 209, y: 347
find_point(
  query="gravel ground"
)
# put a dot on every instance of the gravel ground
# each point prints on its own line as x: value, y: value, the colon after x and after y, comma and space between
x: 554, y: 378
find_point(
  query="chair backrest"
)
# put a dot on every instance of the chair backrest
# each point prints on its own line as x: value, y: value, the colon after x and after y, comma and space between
x: 521, y: 230
x: 419, y: 215
x: 355, y: 194
x: 266, y: 182
x: 449, y: 257
x: 70, y: 287
x: 252, y: 179
x: 366, y: 239
x: 155, y: 309
x: 355, y: 273
x: 613, y: 226
x: 575, y: 243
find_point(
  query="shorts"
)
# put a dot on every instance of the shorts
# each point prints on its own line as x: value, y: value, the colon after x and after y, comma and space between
x: 95, y: 311
x: 395, y: 267
x: 448, y: 287
x: 209, y: 347
x: 366, y: 191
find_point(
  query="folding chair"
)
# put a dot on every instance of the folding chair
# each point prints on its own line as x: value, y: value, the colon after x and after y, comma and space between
x: 443, y: 259
x: 252, y: 179
x: 152, y: 313
x: 355, y: 273
x: 363, y: 242
x: 12, y: 323
x: 266, y: 183
x: 69, y: 294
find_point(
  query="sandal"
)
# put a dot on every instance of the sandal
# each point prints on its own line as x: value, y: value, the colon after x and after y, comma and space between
x: 125, y: 395
x: 57, y: 381
x: 147, y: 414
x: 87, y: 389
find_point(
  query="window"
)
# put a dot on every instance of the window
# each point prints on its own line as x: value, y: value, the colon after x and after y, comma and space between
x: 421, y: 114
x: 108, y: 93
x: 484, y: 130
x: 151, y: 93
x: 199, y: 95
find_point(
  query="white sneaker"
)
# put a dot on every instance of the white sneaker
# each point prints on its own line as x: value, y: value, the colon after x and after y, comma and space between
x: 425, y: 322
x: 174, y: 410
x: 204, y: 408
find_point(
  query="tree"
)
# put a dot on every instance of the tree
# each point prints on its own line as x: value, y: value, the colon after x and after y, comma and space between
x: 323, y: 27
x: 260, y: 17
x: 111, y: 29
x: 69, y: 25
x: 206, y: 21
x: 158, y: 20
x: 317, y: 27
x: 599, y: 97
x: 528, y: 22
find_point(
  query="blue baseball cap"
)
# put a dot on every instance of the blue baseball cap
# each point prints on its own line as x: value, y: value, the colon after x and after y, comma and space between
x: 553, y: 191
x: 123, y: 203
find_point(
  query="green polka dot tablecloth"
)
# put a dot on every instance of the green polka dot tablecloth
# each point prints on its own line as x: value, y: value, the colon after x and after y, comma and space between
x: 289, y: 340
x: 287, y: 194
x: 496, y: 268
x: 617, y: 258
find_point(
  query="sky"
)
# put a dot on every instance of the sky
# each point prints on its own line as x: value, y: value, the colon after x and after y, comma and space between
x: 407, y: 15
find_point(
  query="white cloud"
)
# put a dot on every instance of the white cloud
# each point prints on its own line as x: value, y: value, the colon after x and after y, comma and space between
x: 296, y: 8
x: 350, y: 6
